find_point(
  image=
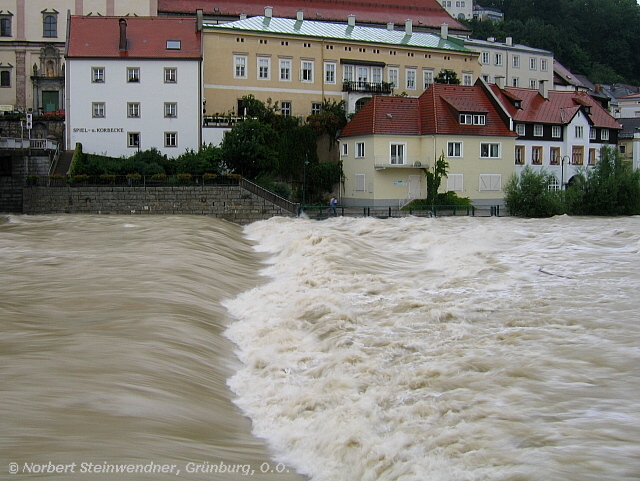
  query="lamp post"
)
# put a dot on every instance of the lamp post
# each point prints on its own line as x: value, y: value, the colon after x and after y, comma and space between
x: 562, y: 161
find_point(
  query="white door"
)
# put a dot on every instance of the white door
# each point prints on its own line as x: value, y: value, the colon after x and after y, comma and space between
x: 414, y: 186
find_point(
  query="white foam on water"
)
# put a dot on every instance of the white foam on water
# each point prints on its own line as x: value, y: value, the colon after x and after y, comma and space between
x: 445, y: 349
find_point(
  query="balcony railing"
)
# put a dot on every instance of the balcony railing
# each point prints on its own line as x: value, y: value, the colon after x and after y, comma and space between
x: 35, y: 144
x: 369, y: 87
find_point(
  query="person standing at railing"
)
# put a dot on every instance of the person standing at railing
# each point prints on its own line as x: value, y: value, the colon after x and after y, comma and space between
x: 332, y: 206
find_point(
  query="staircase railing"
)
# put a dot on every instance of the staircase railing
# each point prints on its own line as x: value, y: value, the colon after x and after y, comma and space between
x: 269, y: 196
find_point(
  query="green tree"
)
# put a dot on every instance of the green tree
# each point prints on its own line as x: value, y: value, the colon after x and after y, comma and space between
x: 434, y: 178
x: 250, y: 148
x: 530, y: 194
x: 447, y: 76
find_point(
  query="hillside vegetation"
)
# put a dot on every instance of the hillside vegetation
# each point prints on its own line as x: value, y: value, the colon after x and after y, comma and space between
x: 596, y: 38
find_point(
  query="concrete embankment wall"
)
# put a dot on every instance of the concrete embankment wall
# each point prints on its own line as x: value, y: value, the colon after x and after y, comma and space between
x: 232, y: 203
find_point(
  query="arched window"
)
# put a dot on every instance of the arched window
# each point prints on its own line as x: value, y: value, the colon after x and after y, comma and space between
x: 50, y: 25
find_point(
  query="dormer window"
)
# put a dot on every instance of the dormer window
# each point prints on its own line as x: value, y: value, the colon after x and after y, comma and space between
x: 517, y: 104
x: 473, y: 119
x: 587, y: 109
x: 173, y: 45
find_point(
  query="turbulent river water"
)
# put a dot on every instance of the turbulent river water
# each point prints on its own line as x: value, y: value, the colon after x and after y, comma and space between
x: 348, y: 349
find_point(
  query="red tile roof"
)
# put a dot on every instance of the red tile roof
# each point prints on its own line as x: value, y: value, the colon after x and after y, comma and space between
x: 99, y: 37
x: 424, y: 13
x: 436, y: 111
x: 559, y: 108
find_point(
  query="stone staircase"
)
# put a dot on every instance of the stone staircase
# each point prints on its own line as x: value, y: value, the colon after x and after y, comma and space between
x: 63, y: 163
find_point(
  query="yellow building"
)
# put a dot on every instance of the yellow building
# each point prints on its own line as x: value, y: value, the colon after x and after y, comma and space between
x: 299, y: 63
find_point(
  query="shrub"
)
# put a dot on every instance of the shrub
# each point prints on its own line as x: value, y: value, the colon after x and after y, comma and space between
x: 529, y: 195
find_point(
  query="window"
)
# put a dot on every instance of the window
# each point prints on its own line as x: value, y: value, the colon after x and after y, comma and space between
x: 579, y: 131
x: 577, y: 155
x: 515, y: 61
x: 592, y: 157
x: 240, y: 63
x: 170, y: 75
x: 467, y: 79
x: 536, y: 155
x: 473, y: 119
x: 174, y: 44
x: 363, y: 74
x: 285, y: 69
x: 411, y: 79
x: 133, y: 139
x: 285, y: 108
x: 360, y: 182
x: 359, y: 150
x: 515, y: 82
x: 538, y: 130
x: 466, y: 119
x: 50, y: 25
x: 427, y: 76
x: 329, y: 73
x: 498, y: 59
x: 133, y: 74
x: 544, y: 65
x: 490, y: 182
x: 622, y: 149
x: 171, y: 139
x: 316, y: 108
x: 485, y: 58
x: 479, y: 119
x: 376, y: 75
x: 393, y: 76
x: 519, y: 155
x: 5, y: 78
x: 553, y: 183
x: 263, y: 68
x: 454, y: 149
x: 554, y: 155
x: 5, y: 26
x: 397, y: 154
x: 97, y: 74
x: 533, y: 83
x: 133, y: 109
x: 490, y: 151
x: 556, y: 131
x: 455, y: 182
x: 347, y: 73
x: 520, y: 129
x: 306, y: 72
x: 345, y: 149
x: 532, y: 63
x: 604, y: 134
x: 170, y: 109
x: 592, y: 133
x: 97, y: 109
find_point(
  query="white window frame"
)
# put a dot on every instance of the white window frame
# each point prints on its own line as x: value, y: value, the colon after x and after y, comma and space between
x: 264, y: 68
x: 544, y: 64
x: 131, y: 139
x: 170, y: 75
x: 347, y: 73
x: 454, y: 149
x: 360, y: 151
x: 485, y: 58
x: 98, y: 110
x: 519, y: 155
x: 592, y: 133
x: 515, y: 61
x: 411, y: 75
x: 345, y: 149
x: 479, y: 119
x: 171, y: 139
x: 170, y: 110
x: 240, y: 66
x: 284, y: 69
x: 467, y: 79
x: 393, y: 74
x: 538, y: 130
x: 133, y: 74
x: 330, y: 73
x: 427, y: 78
x: 604, y: 134
x: 306, y: 71
x: 398, y: 153
x: 515, y: 82
x: 498, y: 59
x: 285, y: 108
x: 133, y: 110
x: 536, y: 155
x: 97, y: 74
x: 533, y: 63
x: 376, y: 75
x: 533, y: 83
x: 362, y: 74
x: 579, y: 131
x: 316, y: 108
x: 556, y: 131
x: 490, y: 182
x: 521, y: 130
x: 490, y: 150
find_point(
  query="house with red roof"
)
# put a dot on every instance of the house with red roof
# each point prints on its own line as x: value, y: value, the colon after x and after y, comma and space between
x: 387, y: 146
x: 558, y: 131
x: 133, y: 83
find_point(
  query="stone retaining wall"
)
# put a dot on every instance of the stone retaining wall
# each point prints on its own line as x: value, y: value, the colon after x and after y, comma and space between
x: 231, y: 203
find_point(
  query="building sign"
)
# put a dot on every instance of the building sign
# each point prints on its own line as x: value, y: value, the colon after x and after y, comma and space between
x: 399, y: 182
x: 100, y: 130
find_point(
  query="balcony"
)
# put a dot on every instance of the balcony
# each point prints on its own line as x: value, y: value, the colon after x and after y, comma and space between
x: 34, y: 144
x: 367, y: 87
x: 398, y: 162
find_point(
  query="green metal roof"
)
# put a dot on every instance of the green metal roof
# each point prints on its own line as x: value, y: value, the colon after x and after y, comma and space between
x: 339, y: 31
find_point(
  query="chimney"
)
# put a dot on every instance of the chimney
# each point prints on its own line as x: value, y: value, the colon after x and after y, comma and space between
x: 543, y: 89
x: 509, y: 41
x: 268, y: 12
x: 408, y: 26
x: 491, y: 39
x: 390, y: 26
x: 123, y: 35
x: 300, y: 15
x: 444, y: 31
x: 500, y: 81
x: 243, y: 16
x: 199, y: 20
x: 351, y: 20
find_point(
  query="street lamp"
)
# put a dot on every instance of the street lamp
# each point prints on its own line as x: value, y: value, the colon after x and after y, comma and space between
x: 562, y: 161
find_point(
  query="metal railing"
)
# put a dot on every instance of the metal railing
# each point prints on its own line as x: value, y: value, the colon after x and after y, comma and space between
x: 35, y: 144
x: 269, y: 196
x: 372, y: 87
x: 322, y: 212
x: 143, y: 181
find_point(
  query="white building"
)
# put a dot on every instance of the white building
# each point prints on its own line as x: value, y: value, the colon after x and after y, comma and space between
x: 458, y: 9
x: 133, y: 83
